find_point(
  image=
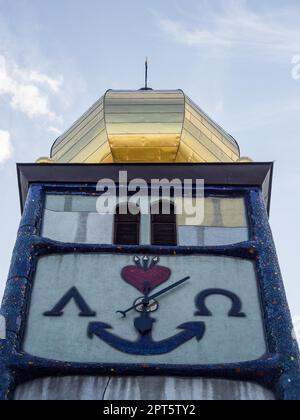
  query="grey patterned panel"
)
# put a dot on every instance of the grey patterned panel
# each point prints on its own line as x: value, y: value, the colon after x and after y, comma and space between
x: 71, y: 227
x: 211, y: 236
x: 75, y: 219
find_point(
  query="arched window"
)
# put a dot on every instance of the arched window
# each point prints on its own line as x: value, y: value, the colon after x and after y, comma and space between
x: 127, y: 225
x: 163, y: 226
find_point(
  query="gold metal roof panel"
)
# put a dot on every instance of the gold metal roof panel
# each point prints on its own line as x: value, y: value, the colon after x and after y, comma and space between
x: 144, y: 126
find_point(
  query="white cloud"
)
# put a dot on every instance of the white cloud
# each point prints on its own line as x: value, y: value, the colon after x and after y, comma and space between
x: 236, y: 26
x: 6, y: 148
x: 53, y: 84
x: 29, y: 90
x: 55, y: 131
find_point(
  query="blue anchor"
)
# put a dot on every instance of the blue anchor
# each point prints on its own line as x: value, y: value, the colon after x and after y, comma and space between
x: 145, y: 346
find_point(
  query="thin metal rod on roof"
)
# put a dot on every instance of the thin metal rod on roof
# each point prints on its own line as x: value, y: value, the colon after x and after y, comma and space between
x: 145, y: 88
x: 146, y: 73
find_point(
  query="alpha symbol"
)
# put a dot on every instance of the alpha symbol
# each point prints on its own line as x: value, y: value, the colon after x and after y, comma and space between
x: 74, y: 294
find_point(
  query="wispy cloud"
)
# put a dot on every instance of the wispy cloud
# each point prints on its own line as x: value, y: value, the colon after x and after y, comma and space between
x: 6, y: 149
x: 29, y: 91
x: 39, y: 78
x: 268, y: 114
x: 237, y: 26
x: 55, y: 131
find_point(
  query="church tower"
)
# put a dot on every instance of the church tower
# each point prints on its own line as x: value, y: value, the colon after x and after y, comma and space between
x: 144, y: 265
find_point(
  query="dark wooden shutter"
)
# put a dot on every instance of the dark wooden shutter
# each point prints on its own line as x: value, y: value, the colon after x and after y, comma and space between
x: 127, y: 229
x: 164, y: 228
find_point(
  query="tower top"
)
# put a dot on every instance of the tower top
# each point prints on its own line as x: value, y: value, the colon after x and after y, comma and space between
x: 144, y: 126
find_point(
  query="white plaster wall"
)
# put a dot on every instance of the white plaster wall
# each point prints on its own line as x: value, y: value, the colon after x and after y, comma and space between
x: 140, y: 388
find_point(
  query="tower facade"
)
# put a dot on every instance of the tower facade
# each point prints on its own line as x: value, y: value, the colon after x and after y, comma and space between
x: 144, y: 266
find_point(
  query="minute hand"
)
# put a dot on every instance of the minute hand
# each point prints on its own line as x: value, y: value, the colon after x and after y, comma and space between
x: 167, y: 289
x: 148, y: 298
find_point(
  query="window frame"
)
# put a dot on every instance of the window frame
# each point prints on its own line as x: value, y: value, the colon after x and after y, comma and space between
x: 156, y: 223
x: 117, y: 223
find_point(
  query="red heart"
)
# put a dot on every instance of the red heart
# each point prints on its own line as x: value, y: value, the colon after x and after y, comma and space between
x: 137, y: 277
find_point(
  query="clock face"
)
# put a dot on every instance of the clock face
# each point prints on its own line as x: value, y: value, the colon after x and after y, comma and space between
x: 115, y: 309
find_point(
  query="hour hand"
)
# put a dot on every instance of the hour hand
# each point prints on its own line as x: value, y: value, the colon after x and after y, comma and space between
x: 124, y: 313
x: 144, y: 302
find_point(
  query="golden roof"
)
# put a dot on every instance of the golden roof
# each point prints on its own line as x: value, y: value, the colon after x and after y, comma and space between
x: 144, y: 126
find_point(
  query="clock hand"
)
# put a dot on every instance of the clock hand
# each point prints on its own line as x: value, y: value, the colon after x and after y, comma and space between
x: 144, y: 302
x: 147, y: 299
x: 167, y: 289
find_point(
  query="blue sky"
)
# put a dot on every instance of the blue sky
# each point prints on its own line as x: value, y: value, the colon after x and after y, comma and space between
x: 233, y: 58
